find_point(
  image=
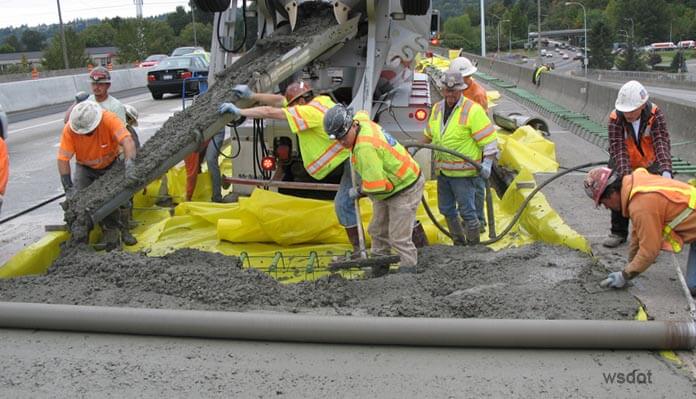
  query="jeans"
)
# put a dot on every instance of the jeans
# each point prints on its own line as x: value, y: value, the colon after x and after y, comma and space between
x: 458, y: 195
x: 619, y: 224
x: 480, y: 197
x: 85, y: 176
x: 345, y: 207
x: 211, y: 160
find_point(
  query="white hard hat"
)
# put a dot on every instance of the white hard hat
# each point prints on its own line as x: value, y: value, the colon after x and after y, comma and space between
x: 631, y: 96
x: 132, y: 114
x: 85, y: 117
x: 462, y: 65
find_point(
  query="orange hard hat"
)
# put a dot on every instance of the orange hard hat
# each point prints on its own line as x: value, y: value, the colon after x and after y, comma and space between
x: 297, y: 90
x: 596, y: 182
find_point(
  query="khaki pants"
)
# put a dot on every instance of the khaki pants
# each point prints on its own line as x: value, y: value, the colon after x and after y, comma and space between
x: 392, y: 223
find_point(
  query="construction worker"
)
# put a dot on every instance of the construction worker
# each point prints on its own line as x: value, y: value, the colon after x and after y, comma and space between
x: 304, y: 112
x: 476, y: 93
x: 638, y: 138
x: 460, y: 124
x: 536, y: 77
x: 662, y: 213
x: 390, y: 177
x: 132, y: 123
x: 80, y: 96
x: 93, y: 136
x: 101, y: 81
x: 4, y: 158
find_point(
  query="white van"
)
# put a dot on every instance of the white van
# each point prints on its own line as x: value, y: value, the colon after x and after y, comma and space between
x: 687, y: 44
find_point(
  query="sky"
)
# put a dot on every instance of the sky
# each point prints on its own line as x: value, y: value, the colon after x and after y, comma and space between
x: 36, y: 12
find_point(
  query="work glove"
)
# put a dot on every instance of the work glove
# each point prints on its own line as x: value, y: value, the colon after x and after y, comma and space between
x: 614, y: 280
x: 229, y: 108
x: 667, y: 174
x: 66, y: 181
x: 354, y: 193
x: 131, y: 170
x: 486, y: 166
x: 242, y: 92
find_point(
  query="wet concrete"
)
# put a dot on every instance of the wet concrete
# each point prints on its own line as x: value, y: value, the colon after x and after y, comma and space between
x: 537, y: 281
x: 181, y: 129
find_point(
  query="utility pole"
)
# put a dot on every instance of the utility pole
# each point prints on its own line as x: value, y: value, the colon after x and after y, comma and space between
x: 584, y: 27
x: 539, y: 29
x: 193, y: 19
x: 483, y: 29
x: 62, y: 38
x: 138, y: 8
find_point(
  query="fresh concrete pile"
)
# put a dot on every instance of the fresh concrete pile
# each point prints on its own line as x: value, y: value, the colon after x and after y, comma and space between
x: 537, y: 282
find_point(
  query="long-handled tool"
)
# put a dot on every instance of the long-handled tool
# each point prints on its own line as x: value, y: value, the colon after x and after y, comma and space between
x: 376, y: 262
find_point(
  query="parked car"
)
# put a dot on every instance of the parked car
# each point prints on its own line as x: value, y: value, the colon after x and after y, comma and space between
x: 169, y: 76
x: 185, y: 50
x: 578, y: 56
x: 565, y: 56
x: 152, y: 60
x: 549, y: 54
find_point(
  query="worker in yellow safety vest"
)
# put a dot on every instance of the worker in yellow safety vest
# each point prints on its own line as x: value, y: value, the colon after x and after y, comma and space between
x: 390, y: 177
x: 304, y: 112
x: 462, y: 125
x: 662, y: 215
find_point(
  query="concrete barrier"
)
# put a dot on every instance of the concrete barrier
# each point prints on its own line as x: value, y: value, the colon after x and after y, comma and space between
x: 30, y: 94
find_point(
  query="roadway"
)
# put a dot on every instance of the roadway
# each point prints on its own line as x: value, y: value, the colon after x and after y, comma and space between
x: 61, y: 364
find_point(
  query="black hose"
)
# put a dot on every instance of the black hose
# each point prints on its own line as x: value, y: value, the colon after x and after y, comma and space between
x: 524, y: 204
x: 32, y: 208
x: 217, y: 31
x: 239, y: 146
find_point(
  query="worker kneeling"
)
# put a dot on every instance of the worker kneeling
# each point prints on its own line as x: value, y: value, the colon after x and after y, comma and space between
x: 390, y: 177
x: 93, y: 136
x: 460, y: 124
x: 661, y: 211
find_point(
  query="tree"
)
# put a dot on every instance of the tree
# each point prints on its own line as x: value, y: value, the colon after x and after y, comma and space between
x: 32, y: 40
x: 203, y: 35
x: 678, y: 62
x: 53, y: 54
x: 178, y: 19
x: 600, y: 39
x: 458, y: 33
x: 159, y: 37
x: 630, y: 60
x: 654, y: 59
x: 99, y: 35
x: 6, y: 49
x: 14, y: 42
x: 130, y: 40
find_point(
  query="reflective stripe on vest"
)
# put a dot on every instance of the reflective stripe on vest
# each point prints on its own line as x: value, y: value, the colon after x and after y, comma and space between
x: 325, y: 158
x: 297, y: 118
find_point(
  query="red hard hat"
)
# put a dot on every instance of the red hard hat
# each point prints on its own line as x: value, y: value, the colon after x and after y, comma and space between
x: 597, y: 181
x: 297, y: 90
x: 100, y: 75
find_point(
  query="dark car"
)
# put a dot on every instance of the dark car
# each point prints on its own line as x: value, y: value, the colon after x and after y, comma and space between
x: 169, y: 75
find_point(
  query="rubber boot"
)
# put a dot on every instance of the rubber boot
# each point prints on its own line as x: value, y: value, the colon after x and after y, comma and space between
x: 354, y: 238
x: 418, y: 236
x: 111, y: 239
x: 691, y: 269
x: 126, y: 237
x: 456, y: 230
x: 473, y: 235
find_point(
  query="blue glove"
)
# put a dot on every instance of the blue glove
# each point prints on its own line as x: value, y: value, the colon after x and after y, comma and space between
x: 486, y: 166
x: 667, y: 174
x: 354, y: 193
x: 229, y: 108
x: 242, y: 91
x: 614, y: 280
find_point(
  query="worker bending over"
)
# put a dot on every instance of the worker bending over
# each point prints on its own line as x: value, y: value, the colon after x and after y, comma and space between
x: 93, y: 136
x: 638, y: 138
x: 462, y: 125
x: 390, y: 177
x: 661, y: 211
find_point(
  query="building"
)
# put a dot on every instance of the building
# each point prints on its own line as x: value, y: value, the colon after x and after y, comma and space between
x: 99, y: 55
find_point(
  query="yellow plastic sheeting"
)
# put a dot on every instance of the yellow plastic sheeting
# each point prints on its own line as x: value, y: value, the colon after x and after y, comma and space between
x: 176, y: 185
x: 452, y: 54
x: 36, y: 258
x: 527, y: 149
x: 642, y: 315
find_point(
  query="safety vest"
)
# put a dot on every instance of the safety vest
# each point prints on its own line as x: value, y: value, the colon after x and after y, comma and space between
x: 673, y: 190
x: 641, y: 154
x: 383, y: 164
x: 97, y: 150
x: 320, y: 154
x: 467, y: 131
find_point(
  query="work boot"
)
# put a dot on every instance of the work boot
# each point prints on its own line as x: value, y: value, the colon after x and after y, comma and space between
x: 354, y: 238
x: 613, y: 240
x: 473, y: 236
x: 407, y: 269
x: 456, y: 230
x: 379, y: 271
x: 128, y: 238
x: 111, y: 239
x: 418, y: 236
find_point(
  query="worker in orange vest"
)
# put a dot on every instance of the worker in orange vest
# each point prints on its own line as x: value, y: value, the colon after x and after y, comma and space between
x: 93, y: 136
x: 638, y: 138
x: 661, y: 211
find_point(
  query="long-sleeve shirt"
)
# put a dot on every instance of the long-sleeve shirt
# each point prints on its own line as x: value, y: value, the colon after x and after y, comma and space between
x: 620, y: 130
x: 4, y: 166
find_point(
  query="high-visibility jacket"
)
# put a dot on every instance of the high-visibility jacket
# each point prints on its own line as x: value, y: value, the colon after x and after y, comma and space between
x: 384, y: 165
x: 4, y: 166
x: 467, y: 131
x: 98, y: 149
x: 641, y: 153
x: 682, y: 194
x: 320, y: 154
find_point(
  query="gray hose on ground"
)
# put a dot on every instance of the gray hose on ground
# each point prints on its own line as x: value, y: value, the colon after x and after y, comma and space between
x: 524, y: 204
x: 492, y: 333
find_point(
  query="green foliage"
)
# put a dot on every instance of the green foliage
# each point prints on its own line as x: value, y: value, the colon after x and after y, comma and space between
x: 99, y: 35
x: 159, y: 37
x: 32, y: 40
x: 178, y: 20
x: 631, y: 60
x: 204, y: 33
x: 53, y: 54
x: 458, y: 33
x: 131, y: 42
x: 14, y: 42
x: 6, y: 49
x: 654, y: 59
x: 678, y: 62
x: 600, y: 39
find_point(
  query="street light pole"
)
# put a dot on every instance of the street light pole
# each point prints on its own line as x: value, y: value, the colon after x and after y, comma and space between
x: 483, y: 29
x: 584, y: 24
x: 510, y: 39
x: 62, y: 37
x: 539, y: 29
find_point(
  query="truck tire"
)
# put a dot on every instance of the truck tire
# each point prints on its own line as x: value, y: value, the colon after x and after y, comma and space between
x: 213, y: 5
x: 415, y: 7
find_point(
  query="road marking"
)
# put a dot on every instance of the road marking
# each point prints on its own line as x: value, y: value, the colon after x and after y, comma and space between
x: 34, y: 126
